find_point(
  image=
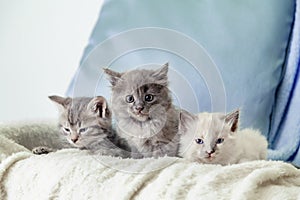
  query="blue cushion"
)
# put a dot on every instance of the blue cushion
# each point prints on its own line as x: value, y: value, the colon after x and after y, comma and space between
x: 222, y: 54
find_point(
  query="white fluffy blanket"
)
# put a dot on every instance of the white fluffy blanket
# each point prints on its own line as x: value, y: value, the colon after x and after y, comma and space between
x: 75, y: 174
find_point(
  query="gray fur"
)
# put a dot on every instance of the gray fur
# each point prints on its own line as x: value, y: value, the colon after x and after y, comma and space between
x: 86, y: 124
x: 152, y: 131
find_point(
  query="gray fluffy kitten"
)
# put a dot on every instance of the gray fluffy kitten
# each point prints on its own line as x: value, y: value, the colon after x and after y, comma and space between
x: 86, y: 124
x: 144, y: 113
x: 214, y: 138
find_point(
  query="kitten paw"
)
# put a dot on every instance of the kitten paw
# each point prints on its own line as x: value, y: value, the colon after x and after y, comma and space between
x: 41, y: 150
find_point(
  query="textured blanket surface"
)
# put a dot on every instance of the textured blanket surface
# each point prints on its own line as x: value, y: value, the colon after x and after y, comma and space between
x: 76, y: 174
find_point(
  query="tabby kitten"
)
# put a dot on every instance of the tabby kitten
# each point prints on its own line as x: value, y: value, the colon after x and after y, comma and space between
x: 86, y: 124
x: 144, y: 113
x: 214, y: 138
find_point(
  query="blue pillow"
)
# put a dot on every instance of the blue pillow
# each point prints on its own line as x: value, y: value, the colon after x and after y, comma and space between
x: 222, y: 54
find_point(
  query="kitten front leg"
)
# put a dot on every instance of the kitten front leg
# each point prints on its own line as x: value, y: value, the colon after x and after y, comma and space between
x: 41, y: 150
x: 135, y: 154
x: 165, y: 149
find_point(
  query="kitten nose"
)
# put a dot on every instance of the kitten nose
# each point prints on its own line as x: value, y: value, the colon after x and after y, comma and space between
x: 210, y: 152
x: 139, y: 108
x: 74, y: 139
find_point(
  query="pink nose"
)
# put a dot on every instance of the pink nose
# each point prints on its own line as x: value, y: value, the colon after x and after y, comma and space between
x: 139, y: 108
x: 210, y: 152
x: 74, y: 139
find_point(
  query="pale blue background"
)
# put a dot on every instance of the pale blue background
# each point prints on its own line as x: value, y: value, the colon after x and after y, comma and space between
x: 247, y: 40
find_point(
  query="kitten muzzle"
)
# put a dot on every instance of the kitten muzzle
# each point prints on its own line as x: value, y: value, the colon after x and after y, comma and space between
x: 210, y: 153
x: 74, y: 139
x: 138, y: 108
x: 141, y: 117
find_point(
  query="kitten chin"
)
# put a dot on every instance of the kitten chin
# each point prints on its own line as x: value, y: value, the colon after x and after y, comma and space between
x: 144, y: 112
x: 139, y: 117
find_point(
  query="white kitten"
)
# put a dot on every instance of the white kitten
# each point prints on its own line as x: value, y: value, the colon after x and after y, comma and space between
x: 214, y: 138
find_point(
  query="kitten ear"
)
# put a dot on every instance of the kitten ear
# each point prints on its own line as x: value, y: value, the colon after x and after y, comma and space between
x: 61, y: 102
x: 232, y: 119
x: 161, y: 75
x: 185, y: 119
x: 114, y: 76
x: 99, y: 105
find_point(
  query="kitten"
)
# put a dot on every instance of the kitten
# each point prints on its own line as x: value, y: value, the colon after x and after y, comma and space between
x: 214, y: 138
x: 86, y: 124
x: 144, y: 113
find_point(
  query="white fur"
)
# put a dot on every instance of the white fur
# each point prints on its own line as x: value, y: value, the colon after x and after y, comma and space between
x: 238, y: 146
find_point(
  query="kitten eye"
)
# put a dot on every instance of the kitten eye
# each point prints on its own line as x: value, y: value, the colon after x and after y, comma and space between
x: 129, y: 98
x: 83, y: 130
x: 149, y: 97
x: 67, y: 130
x: 199, y: 141
x: 220, y: 140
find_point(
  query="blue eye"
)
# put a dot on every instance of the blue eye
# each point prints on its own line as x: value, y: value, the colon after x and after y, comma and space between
x: 199, y: 141
x: 129, y: 99
x: 82, y: 130
x: 220, y: 140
